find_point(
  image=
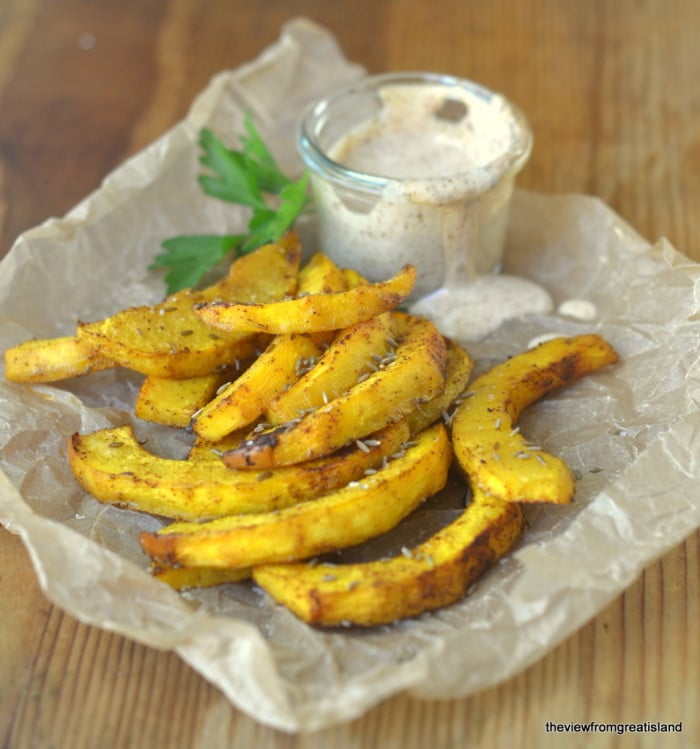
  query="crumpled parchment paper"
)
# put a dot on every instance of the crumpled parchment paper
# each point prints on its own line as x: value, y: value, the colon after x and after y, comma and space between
x: 631, y: 433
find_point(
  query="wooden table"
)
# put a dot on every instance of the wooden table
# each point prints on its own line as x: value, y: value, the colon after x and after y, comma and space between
x: 611, y: 89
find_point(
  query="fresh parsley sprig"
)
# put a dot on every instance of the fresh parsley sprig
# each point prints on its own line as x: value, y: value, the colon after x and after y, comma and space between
x: 248, y: 177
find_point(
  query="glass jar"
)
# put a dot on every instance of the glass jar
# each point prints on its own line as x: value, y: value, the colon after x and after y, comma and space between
x: 414, y: 167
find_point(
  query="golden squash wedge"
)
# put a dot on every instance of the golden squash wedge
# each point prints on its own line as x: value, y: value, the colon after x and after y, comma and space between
x: 342, y: 518
x: 51, y: 359
x: 487, y: 445
x: 417, y: 371
x: 169, y: 340
x: 356, y: 352
x: 171, y: 402
x: 457, y: 373
x: 185, y: 578
x: 353, y: 278
x: 434, y: 574
x: 312, y: 313
x: 115, y: 468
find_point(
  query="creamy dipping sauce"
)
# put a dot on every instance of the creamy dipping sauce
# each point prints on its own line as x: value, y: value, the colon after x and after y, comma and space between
x: 424, y: 175
x: 427, y: 133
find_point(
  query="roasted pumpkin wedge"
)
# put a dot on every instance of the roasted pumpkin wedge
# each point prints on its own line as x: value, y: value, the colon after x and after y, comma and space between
x: 169, y: 340
x: 356, y: 352
x: 314, y: 312
x: 171, y: 402
x: 457, y: 373
x: 434, y: 574
x: 185, y: 578
x: 115, y: 468
x: 342, y: 518
x: 51, y: 359
x: 415, y: 372
x: 491, y: 450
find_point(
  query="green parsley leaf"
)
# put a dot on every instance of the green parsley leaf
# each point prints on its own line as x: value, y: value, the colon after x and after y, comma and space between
x: 270, y: 178
x: 248, y: 177
x: 233, y: 179
x: 268, y: 226
x: 190, y: 257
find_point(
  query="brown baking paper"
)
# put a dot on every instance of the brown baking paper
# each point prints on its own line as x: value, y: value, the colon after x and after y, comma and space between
x: 631, y: 433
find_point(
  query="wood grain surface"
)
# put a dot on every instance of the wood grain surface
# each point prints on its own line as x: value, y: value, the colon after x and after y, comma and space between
x: 612, y: 90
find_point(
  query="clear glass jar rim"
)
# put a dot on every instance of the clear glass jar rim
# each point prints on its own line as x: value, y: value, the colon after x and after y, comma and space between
x: 318, y: 160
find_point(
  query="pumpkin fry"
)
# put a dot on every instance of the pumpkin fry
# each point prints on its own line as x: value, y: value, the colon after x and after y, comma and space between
x: 115, y: 468
x: 488, y: 447
x: 185, y: 578
x: 312, y: 313
x: 345, y: 517
x: 169, y: 340
x: 457, y: 372
x: 172, y: 402
x: 52, y: 359
x: 434, y: 574
x: 356, y: 351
